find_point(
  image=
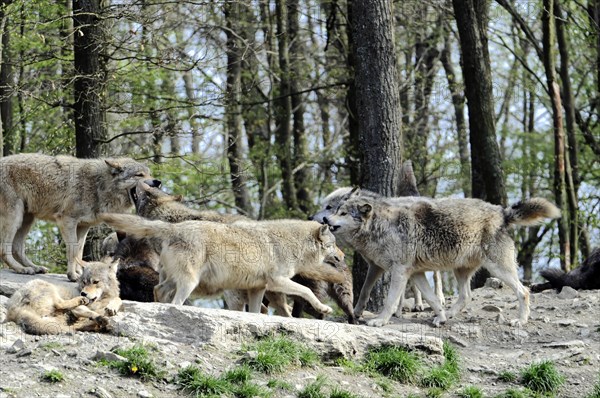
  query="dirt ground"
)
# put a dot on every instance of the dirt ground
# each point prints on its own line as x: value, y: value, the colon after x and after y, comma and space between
x: 564, y: 328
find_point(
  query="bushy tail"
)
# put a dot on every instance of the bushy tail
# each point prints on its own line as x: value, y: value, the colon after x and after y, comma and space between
x: 32, y: 323
x: 556, y: 277
x: 530, y: 212
x: 135, y: 226
x: 324, y: 272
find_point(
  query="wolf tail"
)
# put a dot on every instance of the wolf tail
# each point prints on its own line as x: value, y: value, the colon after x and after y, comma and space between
x: 556, y: 277
x: 32, y: 323
x: 530, y: 212
x: 135, y: 226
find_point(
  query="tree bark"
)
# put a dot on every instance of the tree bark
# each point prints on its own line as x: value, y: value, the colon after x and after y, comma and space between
x: 6, y: 81
x: 90, y: 126
x: 458, y: 102
x: 283, y: 110
x: 560, y: 191
x: 352, y: 150
x: 234, y: 108
x: 379, y: 115
x: 487, y: 178
x: 301, y: 182
x: 571, y: 155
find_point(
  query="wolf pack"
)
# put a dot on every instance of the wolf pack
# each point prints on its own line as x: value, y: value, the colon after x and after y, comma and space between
x: 169, y: 252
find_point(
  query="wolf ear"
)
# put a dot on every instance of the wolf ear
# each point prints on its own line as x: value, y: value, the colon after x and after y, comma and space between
x: 178, y: 198
x: 365, y: 209
x: 114, y: 266
x: 115, y: 166
x: 323, y: 230
x: 121, y: 235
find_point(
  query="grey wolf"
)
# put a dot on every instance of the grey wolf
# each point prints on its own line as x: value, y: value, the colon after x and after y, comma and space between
x: 208, y: 257
x: 155, y: 204
x: 334, y: 200
x: 65, y: 190
x: 586, y: 276
x: 138, y: 264
x: 40, y: 307
x: 416, y: 235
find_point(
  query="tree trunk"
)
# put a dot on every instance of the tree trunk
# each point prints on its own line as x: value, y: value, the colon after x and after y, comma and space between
x: 571, y: 155
x: 283, y: 110
x: 378, y: 105
x: 487, y: 179
x: 6, y: 81
x: 458, y: 102
x: 352, y: 150
x: 233, y: 108
x: 299, y: 133
x: 90, y: 126
x: 560, y: 191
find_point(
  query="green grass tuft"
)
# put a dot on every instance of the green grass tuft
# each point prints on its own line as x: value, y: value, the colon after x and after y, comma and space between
x: 542, y: 377
x: 53, y: 376
x: 595, y: 393
x: 238, y: 375
x: 445, y: 375
x: 314, y: 389
x: 247, y: 390
x: 507, y: 376
x: 395, y: 363
x: 434, y: 392
x: 195, y: 382
x: 138, y: 363
x: 515, y: 393
x: 274, y: 354
x: 470, y: 392
x: 336, y: 392
x: 280, y: 384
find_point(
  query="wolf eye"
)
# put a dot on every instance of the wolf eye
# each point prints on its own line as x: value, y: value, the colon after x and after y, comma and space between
x: 139, y: 175
x: 95, y: 282
x: 328, y: 207
x: 343, y: 213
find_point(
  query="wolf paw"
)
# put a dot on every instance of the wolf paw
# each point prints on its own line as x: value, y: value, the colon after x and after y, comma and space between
x: 84, y: 301
x: 26, y: 271
x: 73, y: 276
x: 439, y: 321
x: 40, y: 270
x: 325, y: 309
x: 516, y: 323
x: 110, y: 311
x: 376, y: 322
x: 418, y: 308
x: 102, y: 321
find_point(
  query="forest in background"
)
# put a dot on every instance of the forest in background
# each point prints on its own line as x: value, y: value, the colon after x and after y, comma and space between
x: 251, y: 106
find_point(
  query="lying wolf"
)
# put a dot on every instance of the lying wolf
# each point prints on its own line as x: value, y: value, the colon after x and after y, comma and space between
x: 208, y: 257
x: 63, y: 189
x: 416, y: 235
x: 334, y: 200
x: 586, y: 276
x: 40, y: 307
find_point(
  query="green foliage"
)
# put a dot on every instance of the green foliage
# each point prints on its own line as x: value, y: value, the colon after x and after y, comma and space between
x: 470, y: 392
x: 595, y: 393
x: 434, y: 392
x: 516, y: 393
x: 274, y: 354
x: 137, y: 363
x: 507, y: 376
x: 279, y: 384
x: 238, y: 375
x: 53, y: 376
x: 445, y: 375
x: 236, y: 382
x: 195, y: 382
x: 314, y: 389
x: 542, y: 377
x: 336, y: 392
x: 395, y: 363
